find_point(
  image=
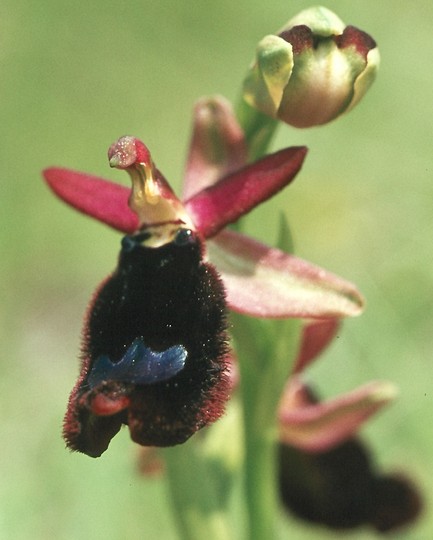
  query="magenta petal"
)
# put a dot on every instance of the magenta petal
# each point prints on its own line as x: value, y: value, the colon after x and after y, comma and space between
x: 217, y: 145
x: 93, y: 196
x: 317, y: 427
x: 317, y: 334
x: 265, y: 282
x: 236, y: 194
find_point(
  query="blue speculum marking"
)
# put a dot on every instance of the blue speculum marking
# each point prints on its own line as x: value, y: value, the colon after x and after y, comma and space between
x: 139, y: 365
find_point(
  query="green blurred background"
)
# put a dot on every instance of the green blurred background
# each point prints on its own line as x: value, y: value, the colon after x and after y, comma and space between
x: 74, y: 76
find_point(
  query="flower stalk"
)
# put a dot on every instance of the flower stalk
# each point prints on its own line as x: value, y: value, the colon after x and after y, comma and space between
x: 264, y: 350
x: 258, y: 128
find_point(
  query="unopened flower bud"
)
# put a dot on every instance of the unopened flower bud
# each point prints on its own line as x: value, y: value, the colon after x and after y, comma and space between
x: 315, y: 69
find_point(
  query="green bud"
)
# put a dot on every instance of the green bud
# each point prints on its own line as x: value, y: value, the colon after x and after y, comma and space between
x: 315, y: 69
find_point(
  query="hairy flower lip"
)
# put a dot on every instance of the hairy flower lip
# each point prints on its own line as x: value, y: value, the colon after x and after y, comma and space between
x: 343, y: 488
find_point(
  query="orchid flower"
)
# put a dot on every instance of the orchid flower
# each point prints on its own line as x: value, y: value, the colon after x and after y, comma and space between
x: 327, y: 475
x: 258, y: 280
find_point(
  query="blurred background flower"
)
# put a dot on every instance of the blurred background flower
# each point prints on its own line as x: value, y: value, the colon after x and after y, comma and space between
x: 75, y: 76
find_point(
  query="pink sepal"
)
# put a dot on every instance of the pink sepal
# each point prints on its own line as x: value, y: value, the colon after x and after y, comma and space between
x: 217, y: 145
x: 103, y: 200
x: 265, y: 282
x: 317, y: 427
x: 317, y: 334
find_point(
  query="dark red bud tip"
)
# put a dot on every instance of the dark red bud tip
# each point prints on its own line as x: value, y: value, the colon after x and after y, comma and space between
x: 300, y: 38
x: 353, y: 37
x: 128, y: 151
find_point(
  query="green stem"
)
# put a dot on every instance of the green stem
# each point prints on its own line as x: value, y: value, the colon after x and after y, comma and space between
x: 260, y: 475
x: 260, y: 488
x: 258, y: 129
x: 265, y: 352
